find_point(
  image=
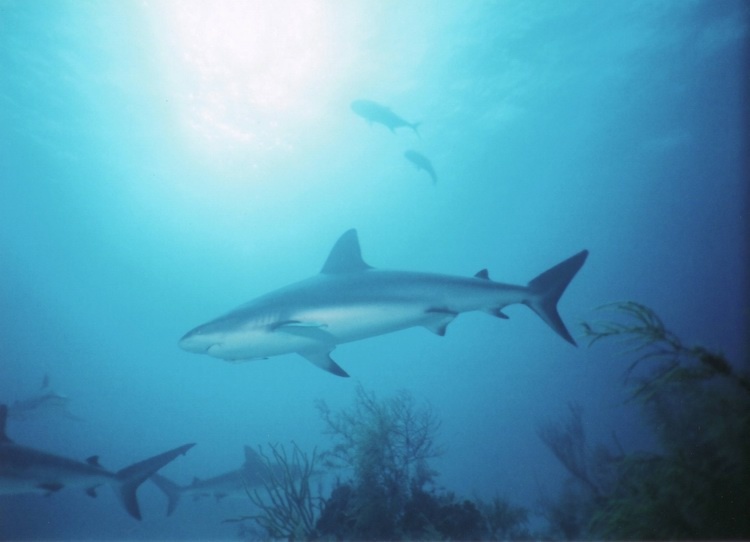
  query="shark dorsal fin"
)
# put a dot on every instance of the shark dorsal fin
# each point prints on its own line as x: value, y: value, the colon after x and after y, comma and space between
x: 93, y: 461
x: 482, y: 274
x: 346, y: 256
x: 3, y: 418
x: 252, y: 458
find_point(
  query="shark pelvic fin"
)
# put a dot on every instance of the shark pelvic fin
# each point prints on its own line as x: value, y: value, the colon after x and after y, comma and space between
x: 438, y: 320
x: 322, y: 358
x: 345, y: 256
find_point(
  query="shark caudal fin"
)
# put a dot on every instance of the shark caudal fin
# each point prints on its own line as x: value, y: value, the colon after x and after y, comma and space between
x: 547, y: 288
x: 170, y: 489
x: 133, y: 476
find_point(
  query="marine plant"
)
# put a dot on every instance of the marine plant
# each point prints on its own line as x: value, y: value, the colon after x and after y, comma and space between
x: 696, y: 484
x: 287, y: 508
x: 386, y: 444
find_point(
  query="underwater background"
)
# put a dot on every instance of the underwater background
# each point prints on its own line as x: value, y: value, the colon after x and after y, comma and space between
x: 166, y: 161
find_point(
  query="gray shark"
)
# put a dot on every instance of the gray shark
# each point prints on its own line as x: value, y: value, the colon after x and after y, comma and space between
x: 228, y: 485
x: 422, y: 162
x: 374, y: 112
x: 46, y: 401
x: 26, y: 470
x: 349, y: 300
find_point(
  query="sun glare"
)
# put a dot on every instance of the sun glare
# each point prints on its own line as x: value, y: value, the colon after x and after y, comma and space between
x: 242, y: 70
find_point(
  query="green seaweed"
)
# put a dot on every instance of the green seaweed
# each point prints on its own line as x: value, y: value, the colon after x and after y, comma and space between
x: 696, y: 485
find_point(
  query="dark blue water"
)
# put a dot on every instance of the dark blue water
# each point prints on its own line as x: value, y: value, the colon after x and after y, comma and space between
x: 164, y: 162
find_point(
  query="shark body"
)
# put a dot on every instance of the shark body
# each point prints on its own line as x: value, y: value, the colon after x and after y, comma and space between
x: 46, y: 401
x: 349, y: 301
x: 230, y: 484
x: 421, y: 162
x: 27, y: 470
x: 373, y: 112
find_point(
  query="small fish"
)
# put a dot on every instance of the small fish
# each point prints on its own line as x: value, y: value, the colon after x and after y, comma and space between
x: 422, y: 162
x: 374, y: 112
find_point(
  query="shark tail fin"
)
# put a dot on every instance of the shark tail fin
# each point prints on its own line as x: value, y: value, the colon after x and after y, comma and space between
x: 415, y: 127
x: 170, y: 489
x: 547, y: 288
x: 131, y: 477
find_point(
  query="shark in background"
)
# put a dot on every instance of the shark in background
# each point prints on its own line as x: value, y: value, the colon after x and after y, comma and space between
x: 349, y: 301
x: 231, y: 484
x: 421, y: 162
x: 373, y: 112
x: 44, y: 403
x: 27, y: 470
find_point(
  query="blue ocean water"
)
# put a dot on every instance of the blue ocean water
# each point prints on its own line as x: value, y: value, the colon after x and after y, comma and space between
x: 164, y: 162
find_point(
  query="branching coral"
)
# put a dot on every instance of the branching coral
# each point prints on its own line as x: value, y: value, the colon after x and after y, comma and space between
x: 288, y: 509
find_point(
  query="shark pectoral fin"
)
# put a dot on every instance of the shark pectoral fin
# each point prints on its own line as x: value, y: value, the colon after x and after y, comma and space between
x: 312, y: 331
x: 438, y: 320
x: 50, y: 488
x: 322, y: 358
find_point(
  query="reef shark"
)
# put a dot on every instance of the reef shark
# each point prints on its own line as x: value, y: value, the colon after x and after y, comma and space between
x: 231, y: 484
x: 421, y: 162
x: 349, y: 300
x: 374, y: 112
x: 47, y: 401
x: 26, y: 470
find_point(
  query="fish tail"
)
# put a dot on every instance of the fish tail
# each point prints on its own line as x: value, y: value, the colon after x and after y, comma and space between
x: 130, y: 478
x: 547, y: 288
x: 170, y: 489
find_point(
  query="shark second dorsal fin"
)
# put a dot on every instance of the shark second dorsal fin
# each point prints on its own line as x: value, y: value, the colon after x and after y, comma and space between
x: 346, y: 256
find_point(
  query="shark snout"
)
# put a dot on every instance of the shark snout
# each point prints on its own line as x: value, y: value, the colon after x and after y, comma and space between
x: 196, y: 341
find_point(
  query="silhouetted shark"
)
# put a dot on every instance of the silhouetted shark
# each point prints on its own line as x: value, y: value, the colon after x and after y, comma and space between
x: 349, y: 301
x: 374, y: 112
x: 230, y: 484
x: 47, y: 401
x: 422, y: 162
x: 26, y: 470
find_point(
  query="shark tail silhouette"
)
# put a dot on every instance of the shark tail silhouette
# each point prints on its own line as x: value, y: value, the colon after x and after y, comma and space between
x: 129, y: 478
x: 170, y: 489
x: 415, y: 126
x: 547, y: 288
